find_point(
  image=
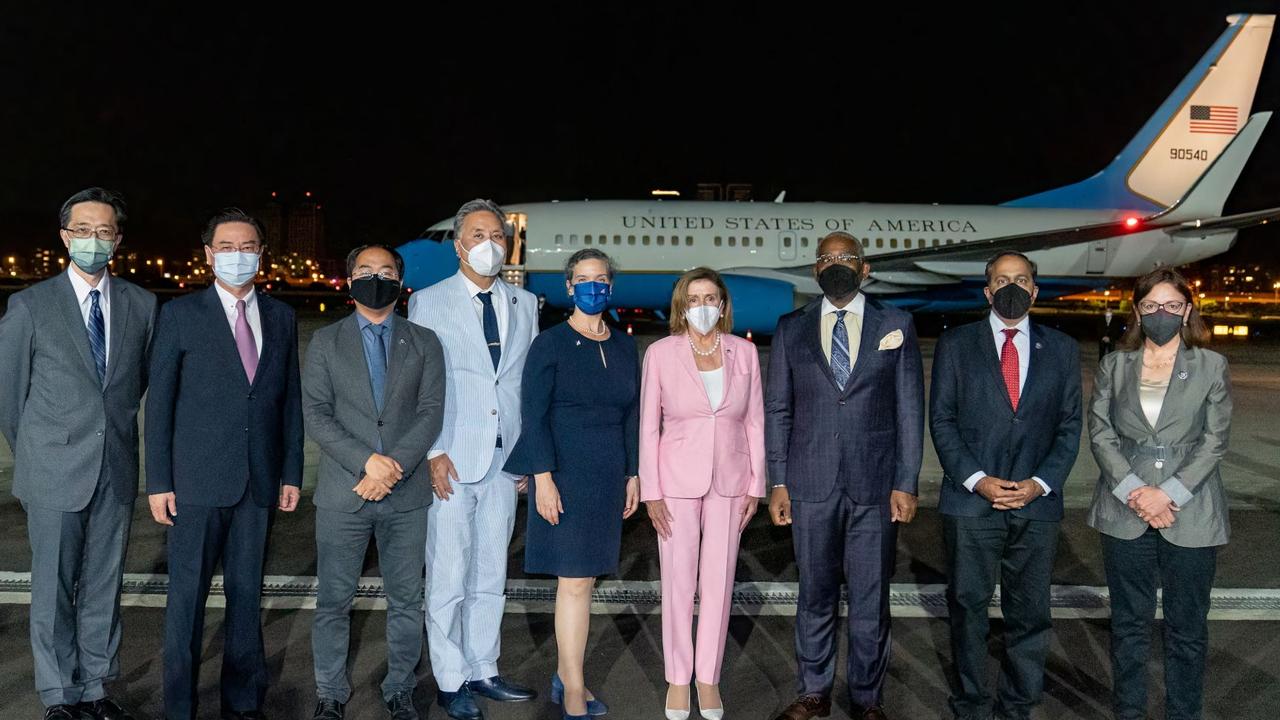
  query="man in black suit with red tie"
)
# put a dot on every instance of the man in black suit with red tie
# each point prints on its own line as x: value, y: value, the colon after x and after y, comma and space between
x: 1005, y: 416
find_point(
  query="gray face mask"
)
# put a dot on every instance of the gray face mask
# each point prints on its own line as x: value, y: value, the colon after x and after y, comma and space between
x: 1160, y: 326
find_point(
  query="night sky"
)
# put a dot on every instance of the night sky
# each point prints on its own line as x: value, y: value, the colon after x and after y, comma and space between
x: 393, y: 120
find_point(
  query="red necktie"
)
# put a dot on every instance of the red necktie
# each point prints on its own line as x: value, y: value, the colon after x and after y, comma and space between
x: 1009, y: 366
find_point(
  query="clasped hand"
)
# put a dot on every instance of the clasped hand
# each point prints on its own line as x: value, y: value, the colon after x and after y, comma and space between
x: 1153, y: 506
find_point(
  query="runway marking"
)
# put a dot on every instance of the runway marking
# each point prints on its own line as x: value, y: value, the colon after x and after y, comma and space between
x: 625, y: 597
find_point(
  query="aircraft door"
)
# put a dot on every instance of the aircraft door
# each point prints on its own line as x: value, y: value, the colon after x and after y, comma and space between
x: 519, y: 224
x: 787, y: 246
x: 1098, y: 254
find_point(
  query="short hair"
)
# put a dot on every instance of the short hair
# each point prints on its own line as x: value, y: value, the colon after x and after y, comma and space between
x: 588, y: 254
x: 230, y: 215
x: 1194, y: 332
x: 479, y: 205
x: 98, y: 195
x: 355, y: 254
x: 1011, y: 253
x: 841, y: 235
x: 680, y: 300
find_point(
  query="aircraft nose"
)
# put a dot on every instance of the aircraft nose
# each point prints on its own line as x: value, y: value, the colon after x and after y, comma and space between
x: 427, y: 262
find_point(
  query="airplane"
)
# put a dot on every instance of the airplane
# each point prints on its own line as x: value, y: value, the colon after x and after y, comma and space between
x: 1158, y: 202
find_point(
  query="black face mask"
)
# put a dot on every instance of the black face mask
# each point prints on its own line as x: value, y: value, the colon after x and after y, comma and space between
x: 839, y: 281
x: 374, y: 292
x: 1011, y: 302
x: 1160, y: 326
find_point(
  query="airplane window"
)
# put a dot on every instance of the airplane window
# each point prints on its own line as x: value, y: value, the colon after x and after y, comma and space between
x: 759, y: 241
x: 935, y: 242
x: 559, y: 239
x: 688, y: 240
x: 586, y: 239
x: 631, y: 239
x: 804, y: 242
x: 717, y: 241
x: 906, y: 242
x: 573, y: 239
x: 893, y: 242
x: 661, y: 240
x: 866, y: 242
x: 733, y: 241
x: 949, y: 241
x: 786, y: 241
x: 617, y: 239
x: 879, y: 242
x: 645, y: 240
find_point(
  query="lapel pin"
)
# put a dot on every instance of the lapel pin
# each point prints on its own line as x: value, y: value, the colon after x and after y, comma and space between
x: 513, y: 299
x: 579, y: 342
x: 1039, y: 346
x: 1182, y: 375
x: 402, y: 341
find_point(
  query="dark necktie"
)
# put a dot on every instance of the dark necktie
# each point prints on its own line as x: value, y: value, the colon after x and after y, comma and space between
x: 840, y: 350
x: 377, y: 362
x: 97, y: 335
x: 1009, y: 366
x: 491, y: 337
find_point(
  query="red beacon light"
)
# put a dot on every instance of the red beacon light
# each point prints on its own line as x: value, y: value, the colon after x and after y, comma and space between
x: 1131, y: 223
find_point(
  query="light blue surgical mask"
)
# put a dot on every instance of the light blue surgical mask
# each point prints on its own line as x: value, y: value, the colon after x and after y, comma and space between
x: 235, y: 268
x: 90, y: 254
x: 592, y: 297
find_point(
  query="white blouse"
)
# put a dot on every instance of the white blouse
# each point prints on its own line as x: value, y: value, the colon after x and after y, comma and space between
x: 713, y: 381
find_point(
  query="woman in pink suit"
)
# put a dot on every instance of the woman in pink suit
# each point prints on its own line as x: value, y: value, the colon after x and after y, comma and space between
x: 702, y: 473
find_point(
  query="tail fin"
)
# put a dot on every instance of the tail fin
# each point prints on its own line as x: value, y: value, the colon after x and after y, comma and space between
x: 1187, y: 133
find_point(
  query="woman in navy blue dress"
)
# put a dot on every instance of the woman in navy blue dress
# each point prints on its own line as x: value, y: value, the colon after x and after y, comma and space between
x: 580, y: 409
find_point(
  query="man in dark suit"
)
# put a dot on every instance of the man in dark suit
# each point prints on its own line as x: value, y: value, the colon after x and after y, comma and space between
x: 374, y: 402
x: 74, y: 351
x: 844, y: 434
x: 224, y: 446
x: 1005, y: 418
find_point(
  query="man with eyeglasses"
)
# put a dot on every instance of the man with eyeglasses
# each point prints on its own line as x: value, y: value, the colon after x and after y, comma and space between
x: 844, y: 427
x: 74, y: 353
x: 373, y: 398
x: 224, y: 447
x: 1005, y: 416
x: 486, y: 326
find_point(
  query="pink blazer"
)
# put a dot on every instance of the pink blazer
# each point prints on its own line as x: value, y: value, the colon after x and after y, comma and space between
x: 685, y: 447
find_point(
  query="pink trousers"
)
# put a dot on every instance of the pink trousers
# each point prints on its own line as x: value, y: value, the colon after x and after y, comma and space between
x: 701, y: 555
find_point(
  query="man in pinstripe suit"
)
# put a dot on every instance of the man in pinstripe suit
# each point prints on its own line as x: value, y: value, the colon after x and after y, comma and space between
x: 486, y: 327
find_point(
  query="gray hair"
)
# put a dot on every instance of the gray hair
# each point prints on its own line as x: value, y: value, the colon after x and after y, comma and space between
x: 588, y: 254
x: 480, y: 205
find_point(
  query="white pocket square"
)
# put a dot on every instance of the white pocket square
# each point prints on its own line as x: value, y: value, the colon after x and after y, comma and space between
x: 891, y: 341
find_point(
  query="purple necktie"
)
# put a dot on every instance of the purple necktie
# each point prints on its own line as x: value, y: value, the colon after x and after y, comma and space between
x: 245, y: 345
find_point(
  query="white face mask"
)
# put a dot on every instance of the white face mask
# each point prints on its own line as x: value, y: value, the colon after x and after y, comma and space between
x: 703, y: 318
x: 235, y: 268
x: 486, y: 258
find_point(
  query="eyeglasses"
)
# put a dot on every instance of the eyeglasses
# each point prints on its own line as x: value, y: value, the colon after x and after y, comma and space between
x: 84, y: 232
x: 1146, y: 307
x: 385, y: 275
x: 841, y: 258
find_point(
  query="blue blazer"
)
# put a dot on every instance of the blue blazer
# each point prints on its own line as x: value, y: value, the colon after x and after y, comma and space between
x: 867, y: 439
x: 209, y: 433
x: 975, y: 428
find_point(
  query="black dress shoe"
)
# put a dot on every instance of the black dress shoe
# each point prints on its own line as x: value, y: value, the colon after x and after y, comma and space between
x: 806, y: 707
x: 495, y: 688
x: 104, y: 709
x: 243, y: 715
x: 460, y: 705
x: 63, y: 712
x: 401, y: 706
x: 875, y: 712
x: 328, y: 709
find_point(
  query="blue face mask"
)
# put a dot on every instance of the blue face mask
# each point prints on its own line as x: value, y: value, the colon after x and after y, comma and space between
x: 235, y: 268
x: 591, y: 297
x: 90, y: 254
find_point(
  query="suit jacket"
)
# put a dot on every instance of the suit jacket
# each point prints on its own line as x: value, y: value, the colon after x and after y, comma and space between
x: 867, y: 439
x: 975, y: 428
x: 686, y: 448
x: 344, y: 421
x: 1191, y: 435
x: 211, y: 435
x: 66, y: 427
x: 476, y: 395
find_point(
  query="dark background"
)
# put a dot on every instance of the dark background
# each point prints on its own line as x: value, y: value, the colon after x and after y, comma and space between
x: 393, y: 119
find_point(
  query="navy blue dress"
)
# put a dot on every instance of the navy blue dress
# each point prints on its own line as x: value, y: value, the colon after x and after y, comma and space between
x: 581, y: 420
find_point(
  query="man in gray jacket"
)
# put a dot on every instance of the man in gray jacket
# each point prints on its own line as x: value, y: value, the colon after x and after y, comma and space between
x: 74, y: 352
x: 373, y: 400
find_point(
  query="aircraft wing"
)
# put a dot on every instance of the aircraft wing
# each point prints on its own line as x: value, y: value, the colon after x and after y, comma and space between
x: 1229, y: 223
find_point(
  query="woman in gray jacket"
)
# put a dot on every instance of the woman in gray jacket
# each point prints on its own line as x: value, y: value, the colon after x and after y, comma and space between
x: 1158, y: 424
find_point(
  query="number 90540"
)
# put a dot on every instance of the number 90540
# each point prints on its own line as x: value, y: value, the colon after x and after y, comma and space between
x: 1188, y: 154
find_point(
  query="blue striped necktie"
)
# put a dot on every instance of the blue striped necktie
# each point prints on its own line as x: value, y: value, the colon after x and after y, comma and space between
x: 840, y: 350
x: 97, y: 335
x: 491, y: 337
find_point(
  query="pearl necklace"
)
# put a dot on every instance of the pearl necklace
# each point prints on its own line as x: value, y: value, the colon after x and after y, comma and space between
x: 708, y: 353
x: 589, y: 331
